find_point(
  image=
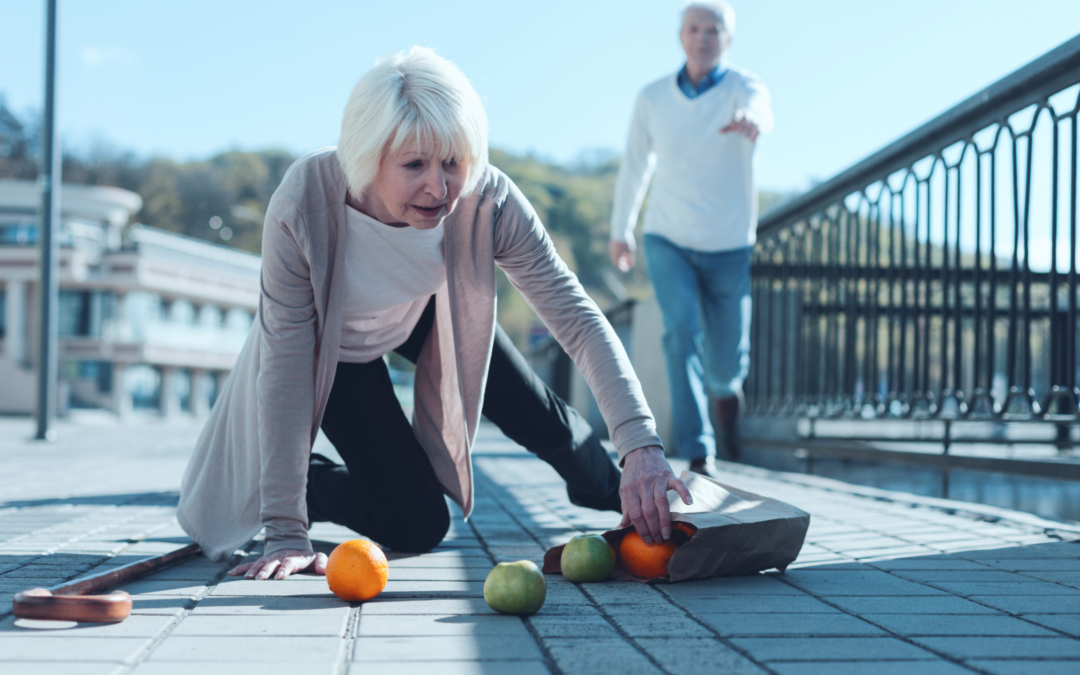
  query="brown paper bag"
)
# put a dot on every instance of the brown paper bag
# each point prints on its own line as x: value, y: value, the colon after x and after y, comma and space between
x: 738, y: 532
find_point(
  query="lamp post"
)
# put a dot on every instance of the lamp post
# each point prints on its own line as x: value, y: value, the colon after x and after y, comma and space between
x: 48, y: 228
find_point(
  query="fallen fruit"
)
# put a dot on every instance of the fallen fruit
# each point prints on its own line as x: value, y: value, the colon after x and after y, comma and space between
x: 650, y: 562
x: 515, y: 588
x: 587, y: 557
x: 356, y: 570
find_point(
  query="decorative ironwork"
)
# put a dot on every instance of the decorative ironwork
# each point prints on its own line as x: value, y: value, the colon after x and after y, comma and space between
x: 937, y: 279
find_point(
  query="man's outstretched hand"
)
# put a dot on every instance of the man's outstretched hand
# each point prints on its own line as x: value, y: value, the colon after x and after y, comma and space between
x: 284, y: 562
x: 646, y: 478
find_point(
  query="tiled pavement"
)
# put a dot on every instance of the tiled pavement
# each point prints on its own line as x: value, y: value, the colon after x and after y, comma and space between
x: 885, y: 584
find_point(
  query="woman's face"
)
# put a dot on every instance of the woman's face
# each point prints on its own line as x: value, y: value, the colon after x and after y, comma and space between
x: 414, y: 187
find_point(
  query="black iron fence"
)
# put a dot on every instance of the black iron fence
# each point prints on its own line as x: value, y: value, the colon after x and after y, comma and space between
x: 936, y: 279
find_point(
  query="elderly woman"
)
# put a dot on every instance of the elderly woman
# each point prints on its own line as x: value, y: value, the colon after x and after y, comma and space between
x: 389, y: 242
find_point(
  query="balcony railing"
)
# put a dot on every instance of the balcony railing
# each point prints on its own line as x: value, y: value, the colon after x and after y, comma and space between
x: 937, y: 279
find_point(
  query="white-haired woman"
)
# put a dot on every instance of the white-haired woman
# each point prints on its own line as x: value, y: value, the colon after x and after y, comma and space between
x: 389, y: 242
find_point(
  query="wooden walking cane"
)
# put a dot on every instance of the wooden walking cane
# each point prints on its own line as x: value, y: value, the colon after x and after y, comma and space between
x: 68, y: 602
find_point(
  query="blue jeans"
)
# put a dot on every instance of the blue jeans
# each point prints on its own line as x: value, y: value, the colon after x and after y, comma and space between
x: 704, y: 298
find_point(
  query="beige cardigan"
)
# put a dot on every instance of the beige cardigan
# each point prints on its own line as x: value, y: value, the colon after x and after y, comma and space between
x: 249, y: 467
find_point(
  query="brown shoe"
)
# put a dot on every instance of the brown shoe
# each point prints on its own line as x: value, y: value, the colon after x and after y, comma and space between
x: 727, y: 416
x: 704, y: 466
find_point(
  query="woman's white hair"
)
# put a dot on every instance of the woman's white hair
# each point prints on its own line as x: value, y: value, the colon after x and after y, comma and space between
x: 720, y: 9
x: 413, y: 95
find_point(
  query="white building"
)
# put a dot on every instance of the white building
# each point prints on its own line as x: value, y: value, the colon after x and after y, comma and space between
x: 147, y: 318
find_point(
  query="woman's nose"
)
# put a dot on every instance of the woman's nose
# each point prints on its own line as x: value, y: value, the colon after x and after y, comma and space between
x: 436, y: 182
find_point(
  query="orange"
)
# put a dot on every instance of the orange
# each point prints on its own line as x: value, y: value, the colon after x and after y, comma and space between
x: 650, y: 562
x: 356, y: 570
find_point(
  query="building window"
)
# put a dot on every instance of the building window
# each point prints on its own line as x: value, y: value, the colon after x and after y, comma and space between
x: 74, y: 314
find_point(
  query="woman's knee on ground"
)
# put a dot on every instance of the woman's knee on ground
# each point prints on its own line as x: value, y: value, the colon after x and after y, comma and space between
x: 418, y: 530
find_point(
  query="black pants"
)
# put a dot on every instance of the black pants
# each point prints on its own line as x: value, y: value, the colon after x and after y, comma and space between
x: 368, y: 428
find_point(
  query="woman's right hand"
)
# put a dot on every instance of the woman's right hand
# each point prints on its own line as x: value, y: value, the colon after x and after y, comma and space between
x: 284, y: 562
x: 622, y: 256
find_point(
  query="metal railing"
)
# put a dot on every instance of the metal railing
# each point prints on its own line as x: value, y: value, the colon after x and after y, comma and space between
x: 937, y: 279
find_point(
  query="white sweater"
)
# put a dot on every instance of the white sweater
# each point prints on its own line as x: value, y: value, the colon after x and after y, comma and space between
x: 703, y: 195
x: 390, y: 274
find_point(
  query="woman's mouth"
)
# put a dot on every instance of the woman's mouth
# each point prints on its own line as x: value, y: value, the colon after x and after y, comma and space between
x: 428, y: 211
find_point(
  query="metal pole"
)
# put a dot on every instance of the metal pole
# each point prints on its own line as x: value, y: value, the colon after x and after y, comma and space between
x: 48, y: 228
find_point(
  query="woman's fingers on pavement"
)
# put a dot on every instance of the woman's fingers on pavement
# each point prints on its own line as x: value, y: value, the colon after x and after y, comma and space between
x: 240, y: 569
x: 268, y: 568
x: 320, y: 563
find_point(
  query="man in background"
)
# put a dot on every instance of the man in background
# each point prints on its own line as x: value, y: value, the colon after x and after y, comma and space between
x: 694, y: 135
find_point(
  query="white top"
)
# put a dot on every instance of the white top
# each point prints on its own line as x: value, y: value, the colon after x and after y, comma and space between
x: 390, y: 273
x: 703, y: 192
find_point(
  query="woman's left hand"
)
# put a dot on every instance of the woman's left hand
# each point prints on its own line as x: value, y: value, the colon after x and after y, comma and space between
x: 646, y: 478
x: 284, y: 562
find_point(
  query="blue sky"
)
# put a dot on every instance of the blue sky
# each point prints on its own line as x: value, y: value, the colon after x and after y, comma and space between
x: 559, y: 77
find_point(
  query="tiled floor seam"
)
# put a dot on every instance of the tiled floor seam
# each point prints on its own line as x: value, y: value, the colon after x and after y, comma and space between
x: 599, y: 607
x: 352, y: 631
x: 549, y: 659
x: 135, y: 660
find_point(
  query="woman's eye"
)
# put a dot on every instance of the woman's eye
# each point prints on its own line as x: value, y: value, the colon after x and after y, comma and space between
x: 414, y: 164
x: 450, y: 164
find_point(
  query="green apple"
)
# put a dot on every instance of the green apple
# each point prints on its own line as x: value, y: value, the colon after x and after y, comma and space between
x: 587, y: 557
x: 515, y: 588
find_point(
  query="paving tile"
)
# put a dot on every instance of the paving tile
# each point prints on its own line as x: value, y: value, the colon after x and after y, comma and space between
x: 450, y: 668
x: 599, y: 656
x: 754, y: 604
x: 134, y: 626
x: 223, y: 668
x: 762, y: 584
x: 392, y: 625
x: 163, y: 587
x: 440, y: 606
x: 875, y: 667
x: 572, y: 626
x: 1003, y: 647
x: 656, y: 622
x: 1025, y: 588
x: 1064, y: 550
x: 623, y: 592
x: 953, y: 576
x: 937, y: 562
x: 301, y: 606
x: 1040, y: 667
x: 1038, y: 564
x: 856, y: 583
x: 952, y: 624
x: 60, y: 648
x: 281, y: 624
x: 1066, y: 623
x: 1068, y: 578
x: 1038, y: 604
x: 445, y: 648
x: 246, y: 649
x: 831, y: 648
x: 730, y: 625
x: 439, y: 574
x: 434, y: 588
x: 54, y: 668
x: 689, y: 655
x: 233, y: 586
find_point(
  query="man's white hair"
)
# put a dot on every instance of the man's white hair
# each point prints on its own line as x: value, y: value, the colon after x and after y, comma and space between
x: 413, y: 95
x: 720, y: 9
